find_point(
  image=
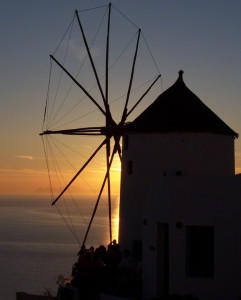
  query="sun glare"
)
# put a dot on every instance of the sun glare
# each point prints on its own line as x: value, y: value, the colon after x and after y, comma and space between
x: 115, y: 222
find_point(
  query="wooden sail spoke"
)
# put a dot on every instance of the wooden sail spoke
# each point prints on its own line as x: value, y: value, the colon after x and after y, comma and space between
x: 90, y: 57
x: 108, y: 183
x: 131, y: 79
x: 107, y: 58
x: 119, y: 153
x: 78, y: 84
x: 138, y: 102
x: 77, y: 131
x: 109, y: 120
x: 81, y: 169
x: 99, y: 196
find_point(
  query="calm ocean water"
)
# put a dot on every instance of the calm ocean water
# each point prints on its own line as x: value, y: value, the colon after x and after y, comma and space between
x: 36, y: 245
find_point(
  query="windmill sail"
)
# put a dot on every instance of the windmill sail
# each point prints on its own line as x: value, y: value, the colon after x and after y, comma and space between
x: 89, y: 100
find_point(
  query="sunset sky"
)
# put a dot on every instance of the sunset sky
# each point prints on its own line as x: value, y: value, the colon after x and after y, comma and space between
x: 201, y: 37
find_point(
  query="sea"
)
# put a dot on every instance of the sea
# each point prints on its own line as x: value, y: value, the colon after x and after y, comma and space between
x: 38, y: 242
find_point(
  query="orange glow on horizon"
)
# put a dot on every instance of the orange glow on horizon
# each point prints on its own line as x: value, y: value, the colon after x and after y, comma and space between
x: 35, y: 181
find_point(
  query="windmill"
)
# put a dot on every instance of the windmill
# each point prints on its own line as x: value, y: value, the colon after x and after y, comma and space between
x: 112, y: 130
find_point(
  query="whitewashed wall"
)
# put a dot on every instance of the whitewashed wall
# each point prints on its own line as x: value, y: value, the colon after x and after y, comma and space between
x: 195, y: 201
x: 208, y: 194
x: 154, y: 154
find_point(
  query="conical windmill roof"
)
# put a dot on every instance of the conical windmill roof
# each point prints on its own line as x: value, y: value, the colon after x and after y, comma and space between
x: 179, y: 110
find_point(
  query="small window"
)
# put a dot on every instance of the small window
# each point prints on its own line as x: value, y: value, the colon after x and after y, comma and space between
x: 129, y: 167
x: 125, y: 142
x: 174, y: 172
x: 200, y: 251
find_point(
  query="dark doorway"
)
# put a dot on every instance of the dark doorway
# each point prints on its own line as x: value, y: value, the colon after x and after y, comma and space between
x: 200, y: 251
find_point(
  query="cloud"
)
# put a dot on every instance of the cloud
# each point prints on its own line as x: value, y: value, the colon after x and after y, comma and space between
x: 42, y: 190
x: 29, y: 157
x: 80, y: 52
x: 22, y: 171
x: 89, y: 147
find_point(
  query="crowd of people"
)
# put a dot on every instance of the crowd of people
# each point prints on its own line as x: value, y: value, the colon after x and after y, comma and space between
x: 106, y: 270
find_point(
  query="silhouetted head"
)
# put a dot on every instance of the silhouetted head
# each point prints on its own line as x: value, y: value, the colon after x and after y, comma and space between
x: 88, y: 255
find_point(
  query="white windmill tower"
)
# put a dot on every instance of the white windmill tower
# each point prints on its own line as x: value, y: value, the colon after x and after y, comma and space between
x: 180, y: 198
